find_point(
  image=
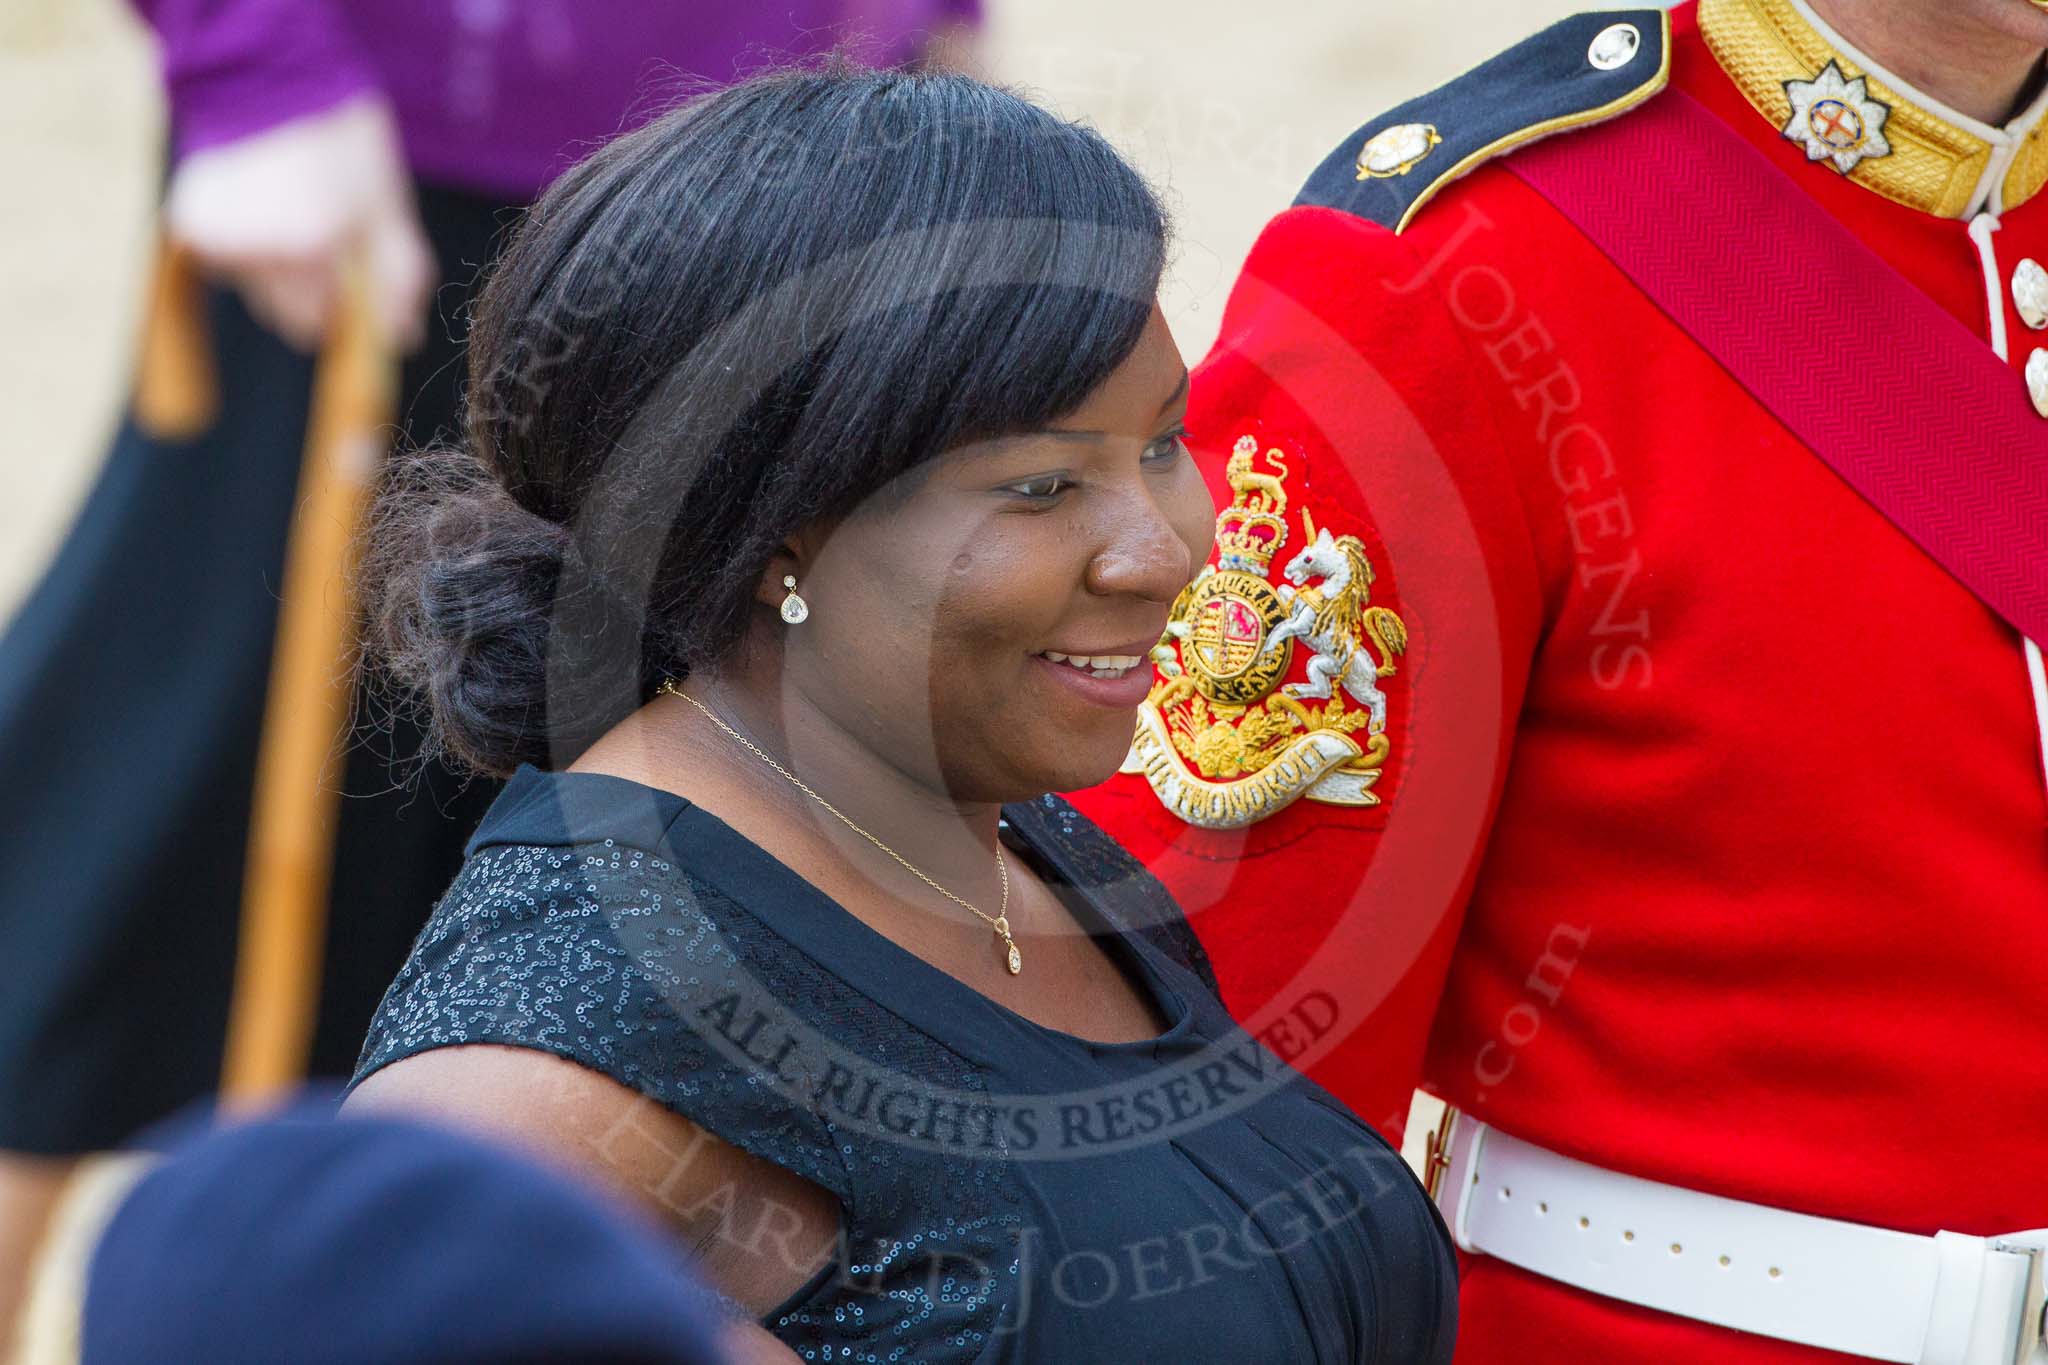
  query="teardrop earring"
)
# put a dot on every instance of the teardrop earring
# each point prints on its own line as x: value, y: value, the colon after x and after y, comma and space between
x: 795, y: 610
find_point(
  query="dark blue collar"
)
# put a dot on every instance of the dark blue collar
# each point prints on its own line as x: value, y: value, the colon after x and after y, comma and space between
x: 551, y: 810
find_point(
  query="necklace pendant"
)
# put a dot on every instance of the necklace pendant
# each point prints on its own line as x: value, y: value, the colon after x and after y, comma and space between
x: 1016, y: 960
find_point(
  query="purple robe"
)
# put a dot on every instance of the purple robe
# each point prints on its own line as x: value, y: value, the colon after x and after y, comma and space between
x: 496, y: 95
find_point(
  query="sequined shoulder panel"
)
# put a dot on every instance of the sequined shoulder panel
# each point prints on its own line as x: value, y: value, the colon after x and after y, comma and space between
x: 618, y: 960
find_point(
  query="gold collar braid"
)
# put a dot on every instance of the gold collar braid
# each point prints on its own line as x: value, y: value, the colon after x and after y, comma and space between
x: 1938, y: 157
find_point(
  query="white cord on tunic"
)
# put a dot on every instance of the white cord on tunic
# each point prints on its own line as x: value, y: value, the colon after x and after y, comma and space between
x: 1981, y: 228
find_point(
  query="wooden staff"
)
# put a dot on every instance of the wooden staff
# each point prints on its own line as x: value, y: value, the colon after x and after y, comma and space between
x: 177, y: 393
x: 306, y: 716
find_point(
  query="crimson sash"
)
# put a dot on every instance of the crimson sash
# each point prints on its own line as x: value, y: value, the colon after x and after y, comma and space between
x: 1940, y: 437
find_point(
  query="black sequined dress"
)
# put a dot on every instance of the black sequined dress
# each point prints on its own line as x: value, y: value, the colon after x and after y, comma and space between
x: 1008, y: 1192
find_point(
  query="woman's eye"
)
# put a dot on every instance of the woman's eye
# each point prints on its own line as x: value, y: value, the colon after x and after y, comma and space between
x: 1042, y: 488
x: 1167, y: 448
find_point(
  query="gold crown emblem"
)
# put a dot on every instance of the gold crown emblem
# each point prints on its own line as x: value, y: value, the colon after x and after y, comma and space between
x: 1252, y: 530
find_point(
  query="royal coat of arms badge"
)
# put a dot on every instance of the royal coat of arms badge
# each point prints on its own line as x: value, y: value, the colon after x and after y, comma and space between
x: 1223, y: 738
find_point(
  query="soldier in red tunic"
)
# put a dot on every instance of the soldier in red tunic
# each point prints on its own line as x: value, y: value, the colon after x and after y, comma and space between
x: 1611, y: 705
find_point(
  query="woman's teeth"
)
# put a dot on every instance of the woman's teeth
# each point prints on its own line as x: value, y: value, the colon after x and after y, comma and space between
x: 1096, y: 665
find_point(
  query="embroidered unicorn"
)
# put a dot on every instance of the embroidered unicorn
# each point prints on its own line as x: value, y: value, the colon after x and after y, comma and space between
x: 1328, y: 609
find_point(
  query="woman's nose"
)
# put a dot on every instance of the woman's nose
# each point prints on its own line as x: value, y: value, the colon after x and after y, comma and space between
x: 1142, y: 555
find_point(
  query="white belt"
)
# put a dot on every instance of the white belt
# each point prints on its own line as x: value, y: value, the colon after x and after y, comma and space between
x: 1948, y: 1299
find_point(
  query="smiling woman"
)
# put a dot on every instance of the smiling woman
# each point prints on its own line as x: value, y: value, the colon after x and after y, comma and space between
x: 823, y: 496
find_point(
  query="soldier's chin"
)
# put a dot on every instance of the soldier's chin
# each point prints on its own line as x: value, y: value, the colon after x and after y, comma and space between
x: 2029, y: 19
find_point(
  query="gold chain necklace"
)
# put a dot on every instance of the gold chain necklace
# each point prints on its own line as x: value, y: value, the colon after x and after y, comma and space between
x: 1000, y: 922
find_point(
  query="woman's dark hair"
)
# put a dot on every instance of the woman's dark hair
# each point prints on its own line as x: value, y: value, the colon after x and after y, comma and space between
x: 754, y: 312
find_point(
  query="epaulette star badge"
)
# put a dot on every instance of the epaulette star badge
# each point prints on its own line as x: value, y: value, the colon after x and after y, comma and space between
x: 1395, y: 150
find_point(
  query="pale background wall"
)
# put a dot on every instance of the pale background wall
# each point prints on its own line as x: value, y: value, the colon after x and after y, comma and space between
x: 78, y: 163
x: 1226, y: 104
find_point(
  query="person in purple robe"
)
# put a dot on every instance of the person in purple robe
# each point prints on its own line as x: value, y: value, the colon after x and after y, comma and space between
x: 293, y: 119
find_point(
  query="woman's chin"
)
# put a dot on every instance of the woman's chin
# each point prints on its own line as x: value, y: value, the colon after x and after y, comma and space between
x: 1078, y: 762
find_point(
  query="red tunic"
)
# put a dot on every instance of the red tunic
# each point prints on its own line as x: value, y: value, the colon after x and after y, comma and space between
x: 1711, y: 841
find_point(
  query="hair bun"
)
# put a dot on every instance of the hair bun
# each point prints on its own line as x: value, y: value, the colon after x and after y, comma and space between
x: 461, y: 588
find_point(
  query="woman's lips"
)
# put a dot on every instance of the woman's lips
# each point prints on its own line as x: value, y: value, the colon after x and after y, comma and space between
x: 1110, y: 680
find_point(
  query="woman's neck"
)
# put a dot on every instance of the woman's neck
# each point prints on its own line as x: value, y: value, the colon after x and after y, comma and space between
x: 1942, y: 49
x: 951, y: 841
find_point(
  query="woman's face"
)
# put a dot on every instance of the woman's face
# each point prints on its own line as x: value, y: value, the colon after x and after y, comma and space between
x: 989, y: 632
